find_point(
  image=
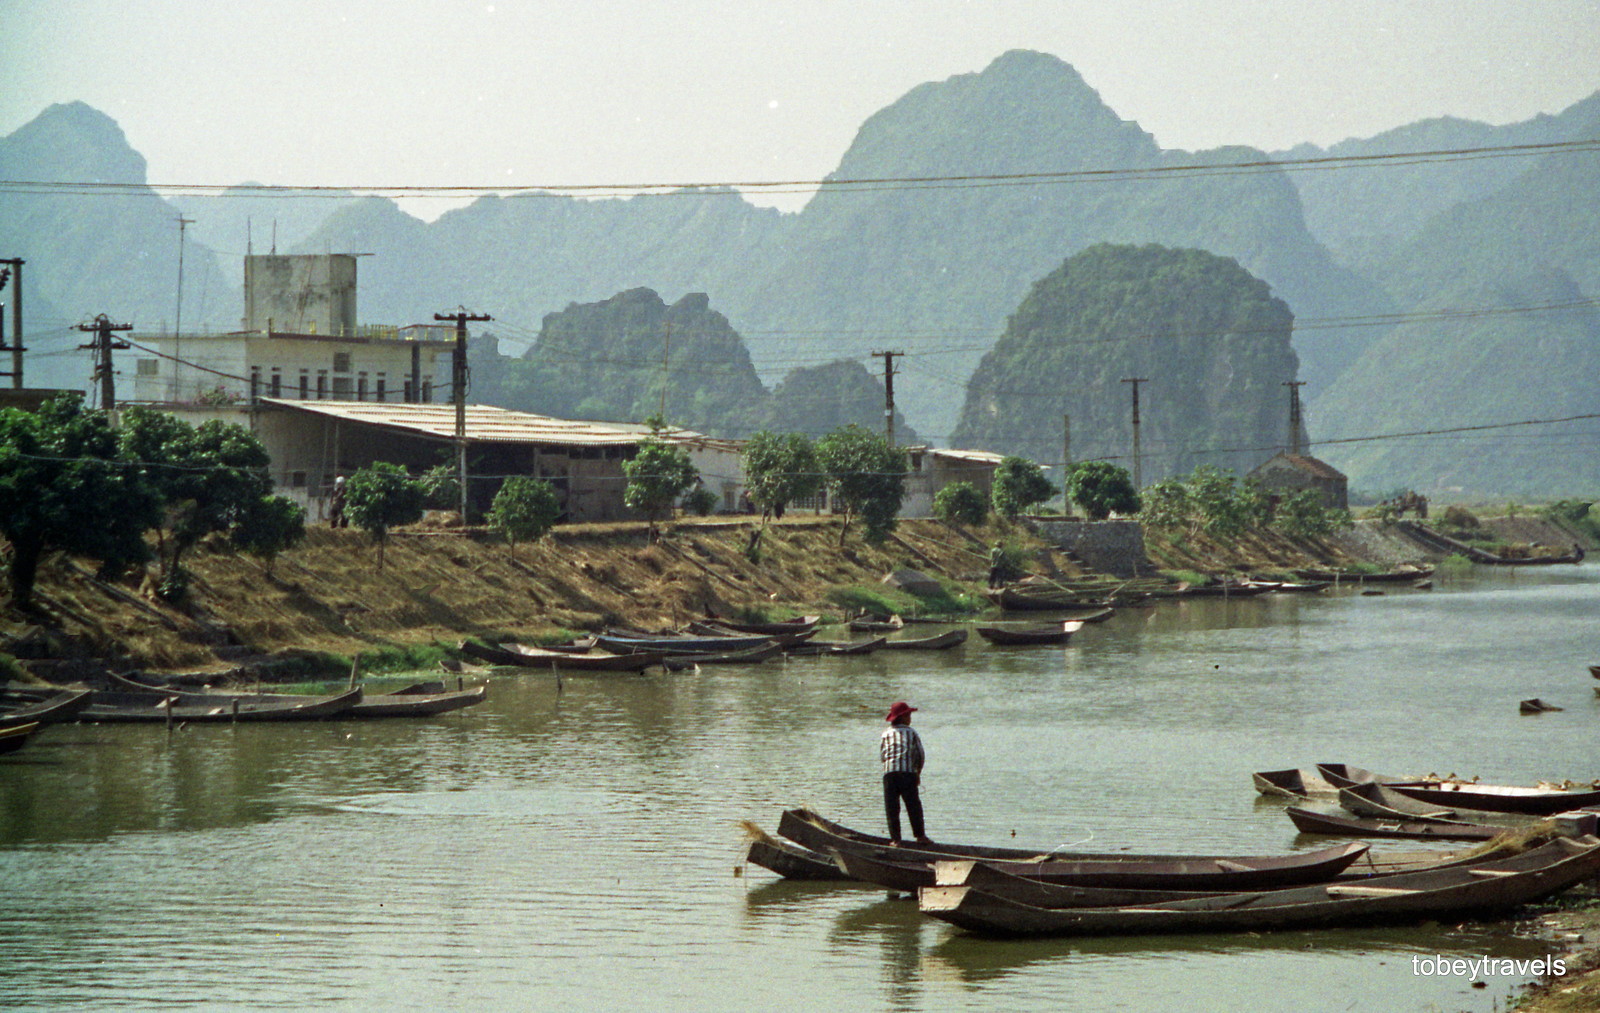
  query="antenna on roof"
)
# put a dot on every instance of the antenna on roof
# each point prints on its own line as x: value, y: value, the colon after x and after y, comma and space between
x: 274, y: 237
x: 248, y: 248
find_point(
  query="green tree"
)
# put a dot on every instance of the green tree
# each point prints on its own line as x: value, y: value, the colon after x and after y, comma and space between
x: 1166, y: 505
x: 961, y: 501
x: 62, y: 486
x: 1018, y: 485
x: 1304, y: 514
x: 658, y: 474
x: 210, y: 478
x: 441, y: 489
x: 779, y: 470
x: 867, y: 476
x: 381, y: 497
x: 525, y: 508
x: 1102, y: 489
x: 269, y: 527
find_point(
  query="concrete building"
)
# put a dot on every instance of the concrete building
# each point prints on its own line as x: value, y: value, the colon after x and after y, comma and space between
x: 933, y: 468
x: 1285, y: 474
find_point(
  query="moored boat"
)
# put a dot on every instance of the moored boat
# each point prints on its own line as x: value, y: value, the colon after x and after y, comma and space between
x: 45, y: 708
x: 1447, y: 793
x: 1290, y: 783
x: 800, y: 624
x: 533, y: 657
x: 14, y: 737
x: 1382, y: 802
x: 1058, y: 633
x: 647, y: 644
x: 792, y: 861
x: 424, y: 699
x: 941, y: 642
x: 1309, y: 821
x: 814, y: 647
x: 161, y: 706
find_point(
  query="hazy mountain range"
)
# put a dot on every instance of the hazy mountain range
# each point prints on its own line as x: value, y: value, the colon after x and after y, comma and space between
x: 1376, y: 263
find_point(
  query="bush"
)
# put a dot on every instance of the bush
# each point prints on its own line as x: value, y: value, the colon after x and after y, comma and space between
x: 700, y: 502
x: 1458, y: 517
x: 1102, y: 489
x: 962, y: 502
x: 1018, y: 485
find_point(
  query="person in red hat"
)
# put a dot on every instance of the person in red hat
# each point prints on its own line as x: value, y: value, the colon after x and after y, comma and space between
x: 901, y: 751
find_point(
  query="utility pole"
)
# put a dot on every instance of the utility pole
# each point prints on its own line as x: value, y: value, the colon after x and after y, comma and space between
x: 1294, y: 414
x: 1138, y: 476
x: 177, y: 323
x: 666, y: 351
x: 13, y: 270
x: 888, y: 392
x: 458, y: 393
x: 103, y: 345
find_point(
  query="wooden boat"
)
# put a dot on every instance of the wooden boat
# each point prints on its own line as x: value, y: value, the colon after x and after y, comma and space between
x: 910, y: 866
x: 1406, y: 571
x: 160, y: 706
x: 1382, y: 802
x: 812, y: 647
x: 1308, y: 821
x: 621, y: 644
x: 941, y: 642
x: 1449, y: 893
x: 1017, y: 635
x: 748, y: 657
x: 800, y: 624
x: 1594, y: 670
x: 581, y: 646
x: 15, y: 737
x: 1495, y: 798
x: 49, y: 708
x: 1080, y: 606
x: 423, y: 699
x: 868, y: 625
x: 1228, y: 589
x: 792, y: 861
x: 1343, y: 775
x: 1536, y: 706
x: 533, y: 657
x: 1304, y: 586
x: 1290, y: 783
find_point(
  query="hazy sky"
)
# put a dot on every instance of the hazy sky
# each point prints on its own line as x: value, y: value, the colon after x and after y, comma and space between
x: 451, y: 92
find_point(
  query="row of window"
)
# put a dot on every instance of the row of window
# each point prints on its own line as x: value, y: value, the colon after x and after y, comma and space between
x: 342, y: 389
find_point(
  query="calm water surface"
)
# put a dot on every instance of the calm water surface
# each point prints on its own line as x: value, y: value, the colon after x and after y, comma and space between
x: 580, y: 849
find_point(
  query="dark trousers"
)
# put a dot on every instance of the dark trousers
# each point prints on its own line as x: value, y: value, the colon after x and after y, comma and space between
x: 897, y: 785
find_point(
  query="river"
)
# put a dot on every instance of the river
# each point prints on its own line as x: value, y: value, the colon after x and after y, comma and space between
x: 579, y: 848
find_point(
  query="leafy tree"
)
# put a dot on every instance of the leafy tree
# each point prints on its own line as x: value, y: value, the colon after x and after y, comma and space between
x: 62, y: 487
x: 381, y: 497
x: 1225, y: 507
x: 441, y: 490
x: 658, y: 474
x: 867, y: 476
x: 1018, y: 485
x: 1166, y: 505
x: 525, y: 508
x: 1102, y: 489
x: 1304, y: 514
x: 779, y: 470
x: 961, y: 501
x: 269, y: 527
x: 210, y: 477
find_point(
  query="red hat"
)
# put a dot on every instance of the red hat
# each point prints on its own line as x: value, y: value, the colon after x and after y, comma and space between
x: 899, y: 710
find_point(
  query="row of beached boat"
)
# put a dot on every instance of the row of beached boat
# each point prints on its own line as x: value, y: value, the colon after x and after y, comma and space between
x: 1083, y: 597
x: 1012, y: 891
x: 24, y: 710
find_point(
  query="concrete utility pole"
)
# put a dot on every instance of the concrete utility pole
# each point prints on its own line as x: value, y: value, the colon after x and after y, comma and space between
x: 1294, y: 414
x: 103, y: 345
x: 1138, y: 476
x: 458, y: 393
x: 177, y: 322
x: 14, y: 271
x: 888, y: 392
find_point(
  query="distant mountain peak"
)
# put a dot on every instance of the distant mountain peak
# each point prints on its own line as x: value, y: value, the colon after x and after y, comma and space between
x: 72, y: 141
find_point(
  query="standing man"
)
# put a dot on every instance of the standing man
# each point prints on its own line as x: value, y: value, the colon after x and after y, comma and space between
x: 900, y: 749
x: 997, y: 559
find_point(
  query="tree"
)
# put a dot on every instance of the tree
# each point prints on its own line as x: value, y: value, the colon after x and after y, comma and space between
x: 210, y: 478
x: 1018, y: 485
x: 961, y: 501
x: 1166, y: 505
x: 381, y: 497
x: 63, y: 487
x: 867, y: 476
x: 441, y: 490
x: 525, y: 508
x: 1304, y: 514
x: 1102, y: 489
x: 269, y: 527
x: 658, y: 474
x: 779, y: 470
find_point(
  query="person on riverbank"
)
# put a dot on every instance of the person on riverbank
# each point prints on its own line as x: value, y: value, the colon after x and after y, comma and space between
x: 997, y: 562
x: 336, y: 517
x: 900, y: 749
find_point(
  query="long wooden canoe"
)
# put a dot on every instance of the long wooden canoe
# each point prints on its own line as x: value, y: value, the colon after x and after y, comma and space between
x: 1454, y: 892
x: 812, y: 647
x: 421, y: 700
x: 533, y: 657
x: 1308, y: 821
x: 618, y: 644
x: 792, y: 861
x: 154, y: 706
x: 15, y: 737
x: 941, y: 642
x: 1494, y: 798
x: 1382, y: 802
x: 1008, y: 636
x: 52, y: 708
x: 1290, y: 783
x: 800, y: 624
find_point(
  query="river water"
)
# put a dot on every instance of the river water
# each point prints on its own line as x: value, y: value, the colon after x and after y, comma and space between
x: 580, y: 849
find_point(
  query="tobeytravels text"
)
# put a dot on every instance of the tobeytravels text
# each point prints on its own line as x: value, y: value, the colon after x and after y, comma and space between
x: 1485, y: 966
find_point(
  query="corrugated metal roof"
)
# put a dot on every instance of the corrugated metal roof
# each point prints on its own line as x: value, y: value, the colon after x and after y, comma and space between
x: 485, y: 423
x: 976, y: 456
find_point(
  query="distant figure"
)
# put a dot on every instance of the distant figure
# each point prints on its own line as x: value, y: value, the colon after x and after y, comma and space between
x: 900, y: 749
x: 336, y: 517
x: 997, y: 560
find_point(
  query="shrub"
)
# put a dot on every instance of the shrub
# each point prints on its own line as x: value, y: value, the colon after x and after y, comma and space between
x: 962, y: 502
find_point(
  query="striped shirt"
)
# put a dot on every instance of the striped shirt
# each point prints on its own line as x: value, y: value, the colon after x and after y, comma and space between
x: 900, y: 748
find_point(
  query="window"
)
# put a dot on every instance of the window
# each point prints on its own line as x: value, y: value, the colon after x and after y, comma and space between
x: 255, y: 381
x: 277, y: 382
x: 381, y: 385
x: 297, y: 480
x: 305, y: 384
x: 149, y: 367
x: 341, y: 362
x: 341, y: 388
x: 361, y: 388
x: 322, y: 384
x: 427, y: 392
